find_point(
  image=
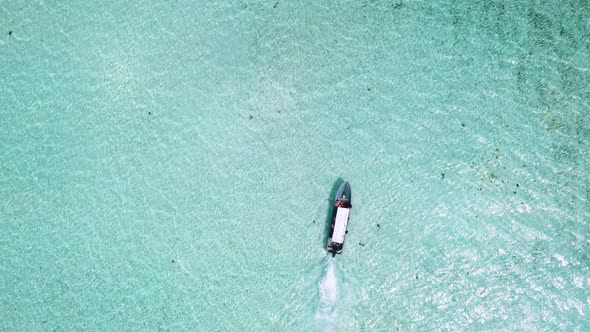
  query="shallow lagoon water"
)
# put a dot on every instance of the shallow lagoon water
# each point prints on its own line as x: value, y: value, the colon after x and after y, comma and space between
x: 169, y: 166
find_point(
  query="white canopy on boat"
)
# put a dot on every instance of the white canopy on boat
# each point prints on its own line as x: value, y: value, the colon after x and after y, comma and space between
x: 340, y: 225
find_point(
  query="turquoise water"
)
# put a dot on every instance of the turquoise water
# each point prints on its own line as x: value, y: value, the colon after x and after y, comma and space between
x: 169, y: 166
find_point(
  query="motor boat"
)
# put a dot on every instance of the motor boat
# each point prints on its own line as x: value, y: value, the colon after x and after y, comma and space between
x: 340, y: 218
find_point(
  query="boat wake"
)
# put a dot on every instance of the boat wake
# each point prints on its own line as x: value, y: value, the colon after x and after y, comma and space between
x: 328, y: 295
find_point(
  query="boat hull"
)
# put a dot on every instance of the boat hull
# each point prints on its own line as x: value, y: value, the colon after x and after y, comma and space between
x: 340, y: 218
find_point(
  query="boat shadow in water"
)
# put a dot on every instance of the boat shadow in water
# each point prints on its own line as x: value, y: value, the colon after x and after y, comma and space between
x: 330, y: 209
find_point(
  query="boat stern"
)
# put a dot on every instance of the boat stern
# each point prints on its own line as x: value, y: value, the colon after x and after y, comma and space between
x: 334, y: 247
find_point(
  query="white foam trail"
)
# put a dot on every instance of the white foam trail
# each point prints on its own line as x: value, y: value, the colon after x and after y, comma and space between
x: 328, y: 289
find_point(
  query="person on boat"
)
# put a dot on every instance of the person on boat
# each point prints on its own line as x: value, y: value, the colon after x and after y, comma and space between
x: 344, y: 204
